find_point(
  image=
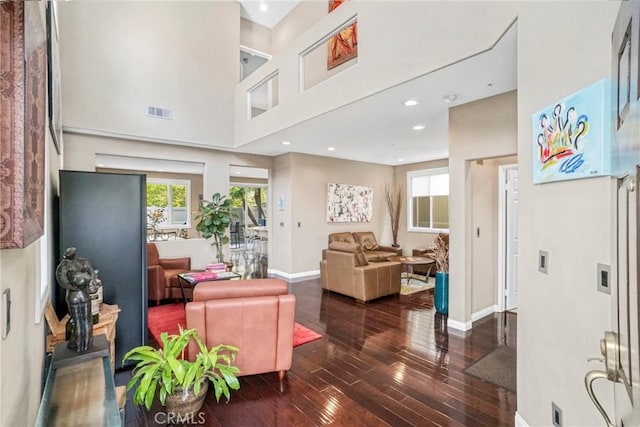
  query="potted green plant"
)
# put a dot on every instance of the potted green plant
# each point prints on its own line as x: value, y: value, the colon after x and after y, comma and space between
x: 214, y: 218
x: 181, y: 384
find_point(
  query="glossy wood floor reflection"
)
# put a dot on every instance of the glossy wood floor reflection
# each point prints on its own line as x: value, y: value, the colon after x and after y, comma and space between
x: 389, y: 362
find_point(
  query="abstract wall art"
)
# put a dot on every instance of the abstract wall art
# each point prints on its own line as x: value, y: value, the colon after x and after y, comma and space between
x: 349, y: 203
x: 572, y: 137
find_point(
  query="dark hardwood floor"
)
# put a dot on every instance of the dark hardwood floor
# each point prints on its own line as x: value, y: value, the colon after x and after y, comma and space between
x: 389, y: 362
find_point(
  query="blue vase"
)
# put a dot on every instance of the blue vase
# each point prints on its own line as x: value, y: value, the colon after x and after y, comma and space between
x: 441, y: 296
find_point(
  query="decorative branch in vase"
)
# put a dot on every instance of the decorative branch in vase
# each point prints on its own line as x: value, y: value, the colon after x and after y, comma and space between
x: 394, y: 204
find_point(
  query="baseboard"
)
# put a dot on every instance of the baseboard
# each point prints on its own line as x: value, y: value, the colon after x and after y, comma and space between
x: 460, y: 326
x: 295, y: 277
x: 520, y: 422
x: 484, y: 312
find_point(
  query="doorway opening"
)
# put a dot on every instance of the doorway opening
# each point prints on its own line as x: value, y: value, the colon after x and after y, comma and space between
x: 249, y: 236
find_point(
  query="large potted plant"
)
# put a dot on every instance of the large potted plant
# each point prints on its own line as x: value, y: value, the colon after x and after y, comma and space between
x: 441, y: 256
x: 181, y: 384
x: 214, y: 217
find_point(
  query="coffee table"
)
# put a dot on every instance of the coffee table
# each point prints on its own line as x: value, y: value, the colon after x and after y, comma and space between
x: 409, y: 261
x: 192, y: 278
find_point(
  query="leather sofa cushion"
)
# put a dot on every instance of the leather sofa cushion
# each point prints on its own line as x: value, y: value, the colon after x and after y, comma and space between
x: 378, y: 256
x: 354, y: 248
x: 345, y: 237
x: 222, y: 289
x: 367, y: 239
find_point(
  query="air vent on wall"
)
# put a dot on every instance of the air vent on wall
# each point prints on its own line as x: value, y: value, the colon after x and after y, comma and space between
x: 161, y: 113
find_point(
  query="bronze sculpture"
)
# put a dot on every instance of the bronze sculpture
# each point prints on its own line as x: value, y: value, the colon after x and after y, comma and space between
x: 78, y: 277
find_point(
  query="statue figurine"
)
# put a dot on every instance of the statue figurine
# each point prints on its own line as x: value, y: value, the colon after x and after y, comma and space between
x: 78, y: 277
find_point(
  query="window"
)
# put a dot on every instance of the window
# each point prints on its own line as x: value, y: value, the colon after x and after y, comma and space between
x: 168, y: 203
x: 428, y: 201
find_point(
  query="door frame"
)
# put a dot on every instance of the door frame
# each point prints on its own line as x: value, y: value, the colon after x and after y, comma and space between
x: 502, y: 235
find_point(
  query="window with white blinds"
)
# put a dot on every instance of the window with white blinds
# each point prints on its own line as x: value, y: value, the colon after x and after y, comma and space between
x: 428, y: 201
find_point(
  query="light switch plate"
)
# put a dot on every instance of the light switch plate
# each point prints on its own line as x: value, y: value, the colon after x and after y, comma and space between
x: 543, y: 262
x: 604, y: 278
x: 6, y: 312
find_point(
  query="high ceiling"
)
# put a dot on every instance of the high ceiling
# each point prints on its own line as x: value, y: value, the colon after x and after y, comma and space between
x: 266, y: 12
x: 379, y: 128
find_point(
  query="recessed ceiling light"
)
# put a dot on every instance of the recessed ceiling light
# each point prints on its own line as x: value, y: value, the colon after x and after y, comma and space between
x: 401, y: 160
x: 419, y: 127
x: 161, y: 170
x: 100, y: 165
x: 263, y: 7
x: 331, y: 148
x: 237, y: 172
x: 286, y: 142
x: 411, y: 102
x: 449, y: 98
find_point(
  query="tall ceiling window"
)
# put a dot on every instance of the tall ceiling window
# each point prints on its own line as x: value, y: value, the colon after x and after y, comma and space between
x: 428, y: 201
x: 168, y: 203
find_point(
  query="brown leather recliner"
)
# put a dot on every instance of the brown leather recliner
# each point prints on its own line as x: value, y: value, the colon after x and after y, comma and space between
x: 367, y: 239
x: 162, y: 274
x: 257, y: 316
x: 346, y: 270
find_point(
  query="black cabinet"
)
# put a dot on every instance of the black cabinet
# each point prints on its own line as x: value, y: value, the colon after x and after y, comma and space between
x: 103, y: 216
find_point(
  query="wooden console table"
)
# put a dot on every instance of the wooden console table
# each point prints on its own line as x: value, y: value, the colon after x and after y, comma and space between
x: 106, y: 325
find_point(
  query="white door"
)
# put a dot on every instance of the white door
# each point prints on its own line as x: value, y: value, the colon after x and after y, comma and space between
x: 511, y: 237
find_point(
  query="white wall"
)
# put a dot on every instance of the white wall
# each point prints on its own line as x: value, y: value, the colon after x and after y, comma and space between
x: 118, y: 58
x: 561, y: 315
x: 255, y: 36
x: 311, y: 175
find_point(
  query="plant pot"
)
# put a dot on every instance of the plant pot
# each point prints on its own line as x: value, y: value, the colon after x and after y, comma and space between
x: 441, y: 294
x: 185, y: 403
x: 229, y: 266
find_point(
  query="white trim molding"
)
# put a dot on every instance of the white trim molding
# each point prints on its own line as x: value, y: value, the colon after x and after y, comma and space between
x: 519, y: 421
x: 304, y: 275
x: 460, y: 326
x: 484, y: 312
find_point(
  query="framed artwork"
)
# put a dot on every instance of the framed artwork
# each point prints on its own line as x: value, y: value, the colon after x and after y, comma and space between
x: 572, y: 137
x: 342, y: 46
x: 53, y: 77
x: 624, y: 77
x: 349, y: 203
x: 22, y: 123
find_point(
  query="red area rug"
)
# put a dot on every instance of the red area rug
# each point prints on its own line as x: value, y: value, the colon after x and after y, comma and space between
x: 166, y: 318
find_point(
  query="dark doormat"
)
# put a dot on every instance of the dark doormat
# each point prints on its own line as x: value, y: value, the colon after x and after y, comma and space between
x: 497, y: 367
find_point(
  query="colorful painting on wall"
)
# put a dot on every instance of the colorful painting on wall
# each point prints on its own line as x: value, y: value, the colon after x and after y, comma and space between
x: 572, y: 137
x: 343, y: 46
x: 349, y: 203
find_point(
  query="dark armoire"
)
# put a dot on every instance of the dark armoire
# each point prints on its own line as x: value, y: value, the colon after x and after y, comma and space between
x: 103, y: 216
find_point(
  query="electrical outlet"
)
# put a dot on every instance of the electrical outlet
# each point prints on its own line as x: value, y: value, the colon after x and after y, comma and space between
x: 604, y: 278
x: 543, y: 262
x: 556, y: 415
